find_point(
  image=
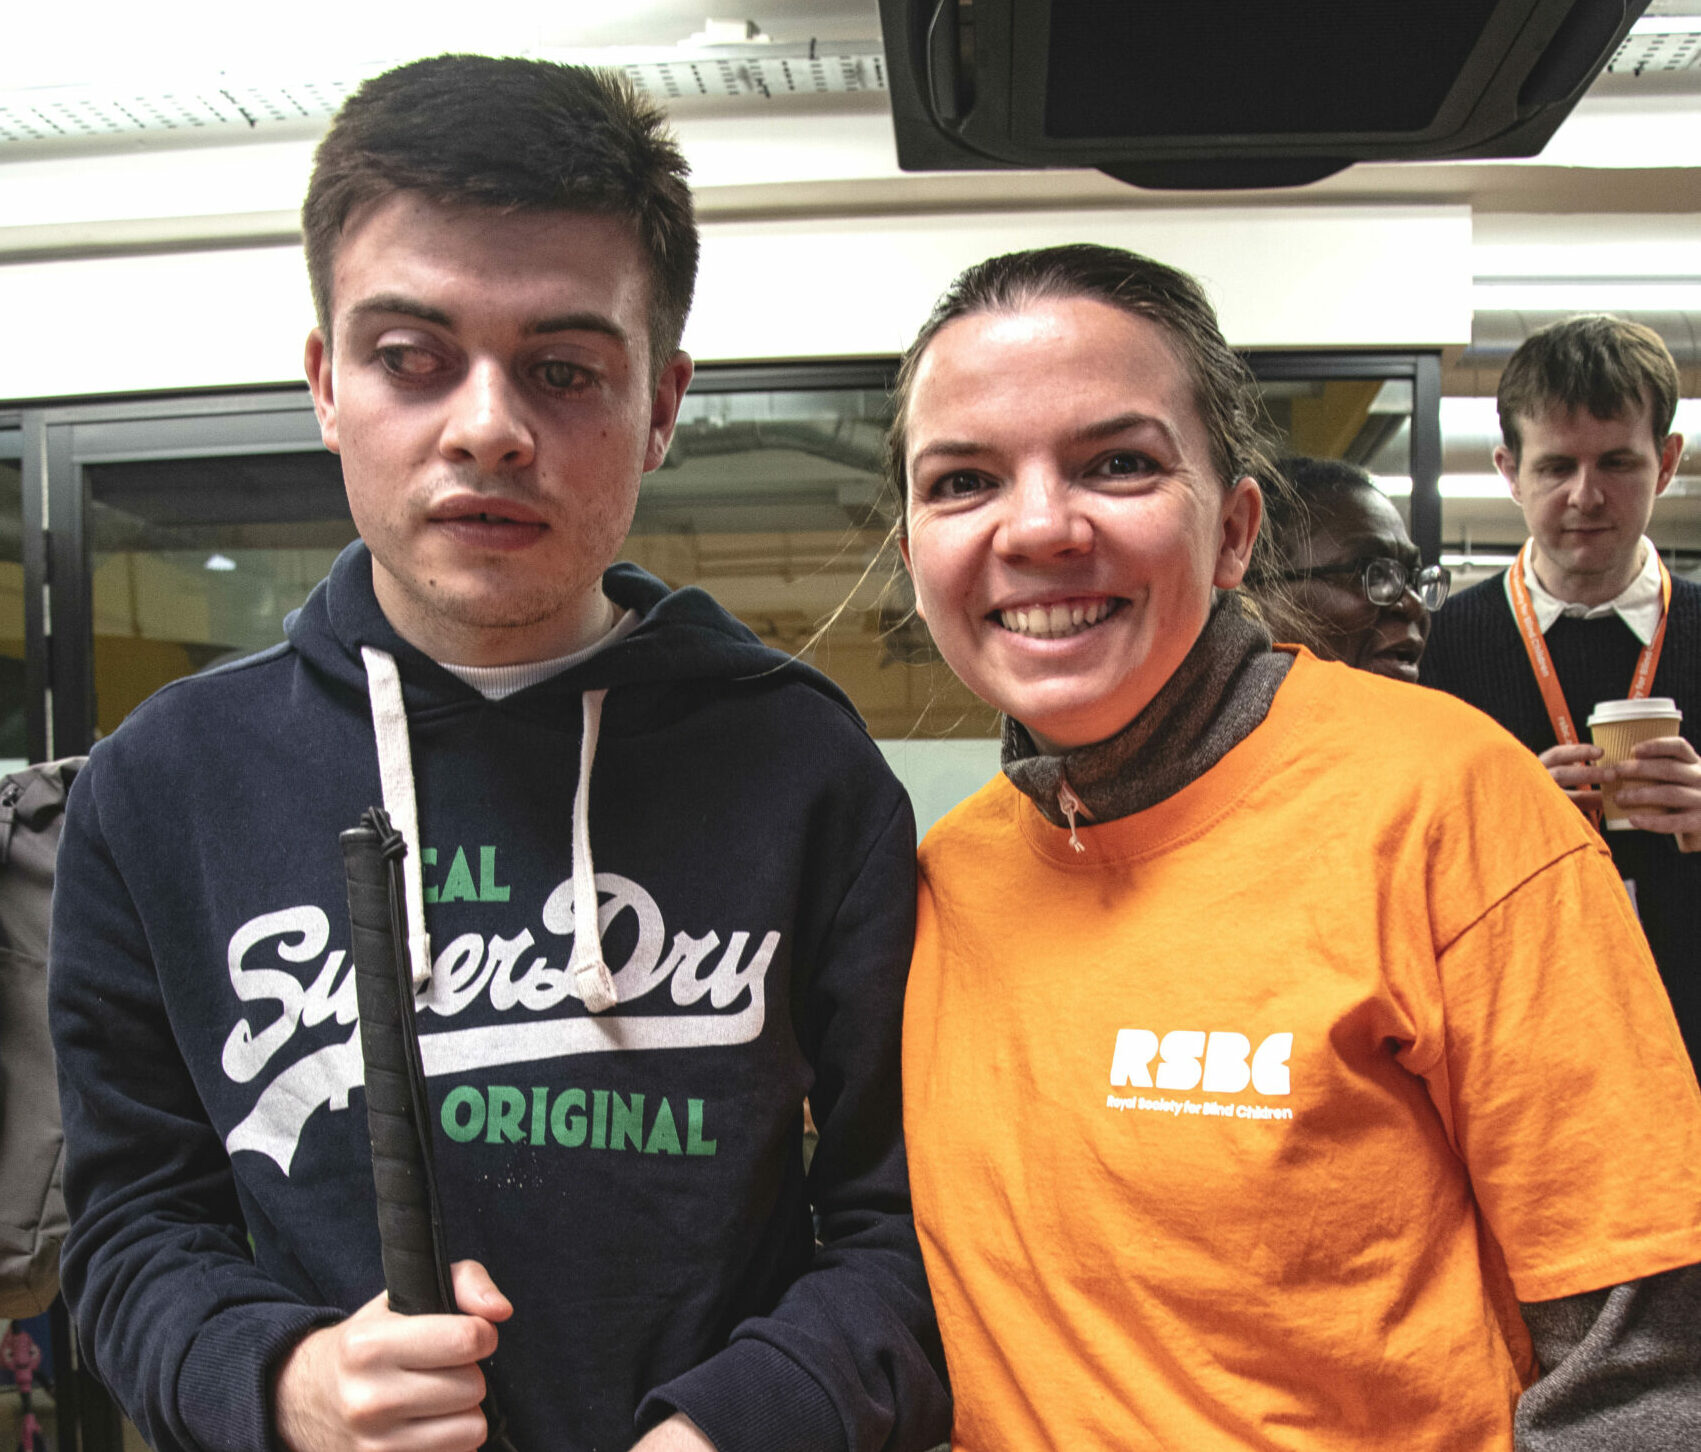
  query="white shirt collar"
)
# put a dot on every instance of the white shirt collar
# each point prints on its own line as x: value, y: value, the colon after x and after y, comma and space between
x: 495, y: 682
x: 1638, y: 604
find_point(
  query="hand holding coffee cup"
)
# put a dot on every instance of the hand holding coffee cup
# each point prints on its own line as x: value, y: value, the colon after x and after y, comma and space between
x: 1619, y: 728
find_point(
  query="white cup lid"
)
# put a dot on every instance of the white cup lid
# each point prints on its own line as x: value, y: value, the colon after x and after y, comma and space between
x: 1608, y: 711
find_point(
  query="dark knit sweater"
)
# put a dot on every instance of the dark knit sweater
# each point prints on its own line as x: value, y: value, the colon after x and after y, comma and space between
x: 1475, y: 653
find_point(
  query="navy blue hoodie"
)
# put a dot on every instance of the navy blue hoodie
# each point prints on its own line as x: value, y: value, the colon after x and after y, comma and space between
x: 633, y: 1180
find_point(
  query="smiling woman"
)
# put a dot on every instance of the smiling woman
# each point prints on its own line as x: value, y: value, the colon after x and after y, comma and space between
x: 1226, y: 954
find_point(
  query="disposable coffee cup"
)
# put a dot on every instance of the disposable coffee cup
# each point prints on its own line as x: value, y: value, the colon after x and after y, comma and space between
x: 1617, y: 727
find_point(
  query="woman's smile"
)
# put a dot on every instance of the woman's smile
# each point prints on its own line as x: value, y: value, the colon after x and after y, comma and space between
x: 1066, y: 526
x: 1059, y: 619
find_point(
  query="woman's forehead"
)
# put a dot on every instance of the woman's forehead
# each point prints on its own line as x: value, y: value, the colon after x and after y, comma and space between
x: 1074, y: 352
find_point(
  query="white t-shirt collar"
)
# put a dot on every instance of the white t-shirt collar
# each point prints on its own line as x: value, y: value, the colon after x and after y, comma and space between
x: 1638, y: 604
x: 495, y: 682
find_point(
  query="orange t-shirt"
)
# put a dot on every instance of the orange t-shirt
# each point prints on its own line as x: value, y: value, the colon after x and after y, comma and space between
x: 1249, y: 1126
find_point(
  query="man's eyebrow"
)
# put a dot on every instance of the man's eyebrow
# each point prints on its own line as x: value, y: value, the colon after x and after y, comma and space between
x: 399, y: 304
x: 581, y: 322
x: 407, y: 307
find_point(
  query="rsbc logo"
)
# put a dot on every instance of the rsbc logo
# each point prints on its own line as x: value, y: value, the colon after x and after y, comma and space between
x: 1219, y: 1063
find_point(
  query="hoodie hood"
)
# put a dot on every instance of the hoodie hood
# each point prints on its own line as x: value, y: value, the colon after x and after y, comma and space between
x: 683, y: 636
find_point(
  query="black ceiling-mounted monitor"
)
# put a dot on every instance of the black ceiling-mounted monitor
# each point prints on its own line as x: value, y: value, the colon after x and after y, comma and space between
x: 1236, y: 93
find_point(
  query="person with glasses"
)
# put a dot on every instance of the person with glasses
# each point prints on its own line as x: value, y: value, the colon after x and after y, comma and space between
x: 1355, y: 588
x: 1283, y: 1068
x: 1589, y: 612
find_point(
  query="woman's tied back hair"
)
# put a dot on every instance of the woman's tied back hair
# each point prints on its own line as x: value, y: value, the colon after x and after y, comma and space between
x: 515, y: 135
x: 1224, y: 392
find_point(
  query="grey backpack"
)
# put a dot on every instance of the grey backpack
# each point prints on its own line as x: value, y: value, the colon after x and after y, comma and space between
x: 32, y: 1149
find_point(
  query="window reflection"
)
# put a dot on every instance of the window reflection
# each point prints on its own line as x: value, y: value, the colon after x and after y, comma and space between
x: 771, y: 501
x: 197, y: 561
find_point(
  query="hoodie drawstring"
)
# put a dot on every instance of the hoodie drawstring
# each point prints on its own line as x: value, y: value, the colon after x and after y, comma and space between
x: 590, y: 974
x: 395, y: 776
x: 591, y: 978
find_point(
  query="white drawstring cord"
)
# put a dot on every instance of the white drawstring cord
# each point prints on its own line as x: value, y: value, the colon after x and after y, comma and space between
x: 595, y: 984
x: 395, y: 776
x: 591, y: 977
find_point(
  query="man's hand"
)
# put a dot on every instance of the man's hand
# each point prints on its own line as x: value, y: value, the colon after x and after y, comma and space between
x: 1664, y: 772
x: 379, y: 1382
x: 1573, y: 768
x: 677, y: 1434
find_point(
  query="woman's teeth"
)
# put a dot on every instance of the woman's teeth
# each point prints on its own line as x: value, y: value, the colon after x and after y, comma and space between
x: 1047, y: 622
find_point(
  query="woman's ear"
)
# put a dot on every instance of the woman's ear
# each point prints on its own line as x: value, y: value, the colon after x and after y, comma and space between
x: 1243, y: 512
x: 904, y: 555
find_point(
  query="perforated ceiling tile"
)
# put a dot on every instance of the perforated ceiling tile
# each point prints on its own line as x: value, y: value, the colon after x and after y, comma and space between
x: 78, y: 114
x: 1657, y: 53
x: 230, y: 105
x: 733, y: 78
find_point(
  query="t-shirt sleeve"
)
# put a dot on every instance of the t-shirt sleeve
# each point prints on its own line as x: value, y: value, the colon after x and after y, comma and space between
x: 1565, y: 1085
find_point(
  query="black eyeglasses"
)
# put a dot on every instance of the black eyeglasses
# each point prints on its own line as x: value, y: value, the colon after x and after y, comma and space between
x: 1385, y: 581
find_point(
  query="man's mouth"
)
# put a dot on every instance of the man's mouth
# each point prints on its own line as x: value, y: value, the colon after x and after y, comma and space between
x: 496, y: 512
x: 1059, y: 618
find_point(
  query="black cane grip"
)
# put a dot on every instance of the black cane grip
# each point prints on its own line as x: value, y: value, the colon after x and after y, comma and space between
x: 410, y: 1232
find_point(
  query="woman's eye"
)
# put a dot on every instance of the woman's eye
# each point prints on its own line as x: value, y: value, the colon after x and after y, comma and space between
x: 957, y: 485
x: 563, y: 377
x: 1124, y: 462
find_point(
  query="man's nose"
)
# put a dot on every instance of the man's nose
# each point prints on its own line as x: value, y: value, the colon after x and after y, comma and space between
x: 487, y: 423
x: 1043, y: 518
x: 1585, y: 492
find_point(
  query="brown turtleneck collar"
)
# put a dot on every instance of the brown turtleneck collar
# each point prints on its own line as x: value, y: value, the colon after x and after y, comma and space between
x: 1221, y: 690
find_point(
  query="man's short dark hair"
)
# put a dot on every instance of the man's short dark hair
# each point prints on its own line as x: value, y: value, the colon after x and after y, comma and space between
x: 517, y: 135
x: 1609, y: 366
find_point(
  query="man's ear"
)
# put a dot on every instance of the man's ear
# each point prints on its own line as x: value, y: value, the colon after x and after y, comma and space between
x: 1671, y: 454
x: 675, y: 378
x: 1243, y: 512
x: 1507, y: 463
x: 320, y: 382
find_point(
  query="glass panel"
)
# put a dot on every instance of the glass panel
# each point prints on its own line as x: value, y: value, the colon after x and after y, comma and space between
x: 1482, y: 527
x: 1366, y: 421
x: 197, y: 561
x: 14, y: 748
x: 771, y: 502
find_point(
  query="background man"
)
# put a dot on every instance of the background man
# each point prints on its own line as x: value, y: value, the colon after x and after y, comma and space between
x: 502, y: 255
x: 1586, y: 409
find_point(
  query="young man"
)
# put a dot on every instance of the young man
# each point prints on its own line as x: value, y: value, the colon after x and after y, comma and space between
x: 1586, y: 410
x: 617, y: 1047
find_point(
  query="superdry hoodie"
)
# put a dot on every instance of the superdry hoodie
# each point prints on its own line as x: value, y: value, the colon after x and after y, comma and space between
x: 632, y: 1177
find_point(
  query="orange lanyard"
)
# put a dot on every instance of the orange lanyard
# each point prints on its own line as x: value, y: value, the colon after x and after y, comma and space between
x: 1542, y: 663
